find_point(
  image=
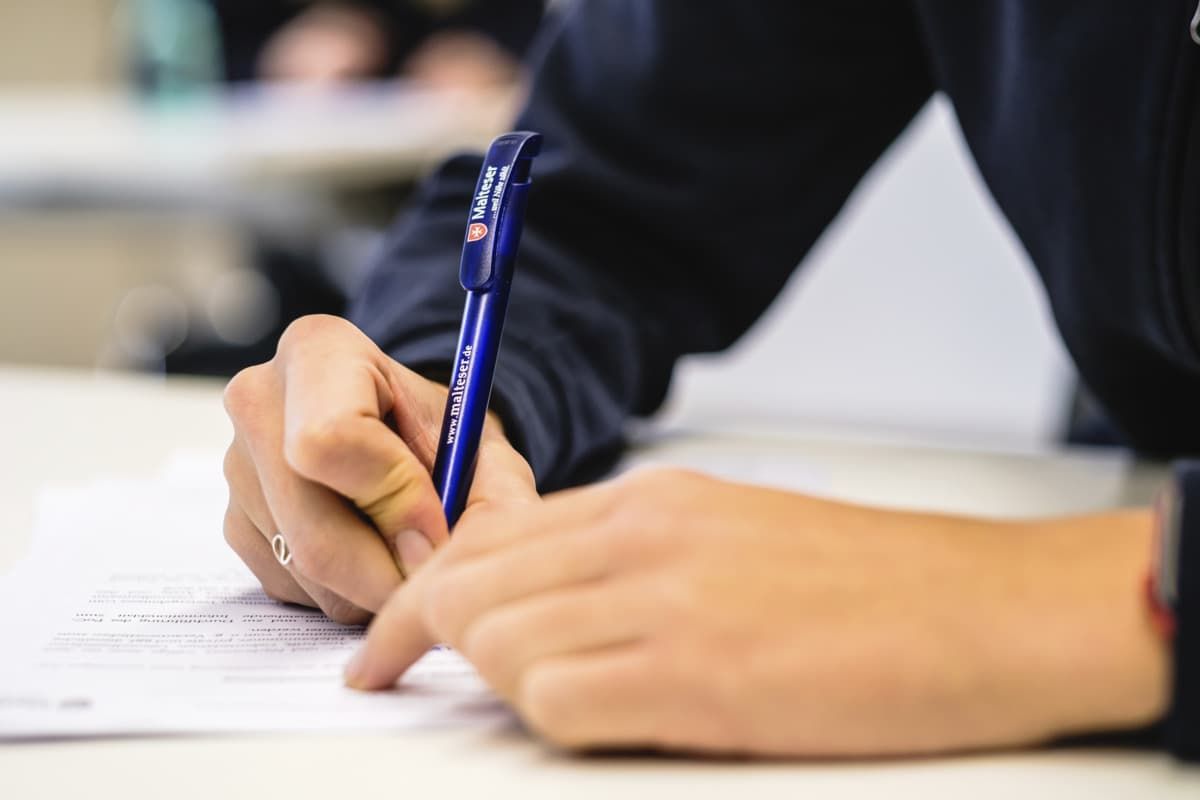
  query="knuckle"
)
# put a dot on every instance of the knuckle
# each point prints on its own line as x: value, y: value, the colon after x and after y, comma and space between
x: 670, y: 484
x: 548, y: 704
x: 344, y: 612
x: 278, y: 588
x: 441, y: 608
x: 244, y: 392
x: 632, y: 521
x: 316, y: 559
x: 595, y: 551
x: 679, y: 599
x: 316, y: 448
x: 487, y: 646
x: 650, y: 507
x: 303, y: 330
x: 229, y: 530
x: 500, y: 451
x: 229, y: 465
x: 236, y: 539
x: 233, y: 467
x: 398, y: 494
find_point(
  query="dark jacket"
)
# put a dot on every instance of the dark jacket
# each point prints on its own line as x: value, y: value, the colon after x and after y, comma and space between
x: 695, y: 151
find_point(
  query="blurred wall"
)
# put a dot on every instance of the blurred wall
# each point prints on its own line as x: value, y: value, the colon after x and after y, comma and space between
x: 66, y: 275
x: 60, y: 43
x: 89, y: 289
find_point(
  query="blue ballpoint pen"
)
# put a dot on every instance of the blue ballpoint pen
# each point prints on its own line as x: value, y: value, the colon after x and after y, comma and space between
x: 486, y: 272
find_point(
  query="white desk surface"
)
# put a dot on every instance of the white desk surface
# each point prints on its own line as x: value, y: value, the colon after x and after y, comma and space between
x: 62, y: 426
x: 97, y: 143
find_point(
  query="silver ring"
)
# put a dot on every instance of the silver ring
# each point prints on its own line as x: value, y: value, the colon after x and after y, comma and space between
x: 283, y: 553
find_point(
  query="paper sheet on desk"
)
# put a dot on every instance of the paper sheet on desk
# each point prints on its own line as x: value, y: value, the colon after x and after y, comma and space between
x: 131, y: 616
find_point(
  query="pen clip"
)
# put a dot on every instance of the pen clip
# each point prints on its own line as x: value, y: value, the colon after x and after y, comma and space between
x: 507, y: 166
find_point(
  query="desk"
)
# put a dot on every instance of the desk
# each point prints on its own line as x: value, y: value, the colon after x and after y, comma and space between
x: 58, y: 426
x: 102, y: 193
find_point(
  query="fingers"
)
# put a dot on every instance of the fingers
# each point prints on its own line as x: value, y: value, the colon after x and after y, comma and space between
x: 502, y: 557
x: 506, y: 642
x: 531, y: 596
x: 245, y: 493
x: 395, y: 640
x: 492, y: 527
x: 332, y: 547
x: 460, y: 593
x: 334, y: 435
x: 316, y: 459
x: 595, y: 699
x: 247, y: 541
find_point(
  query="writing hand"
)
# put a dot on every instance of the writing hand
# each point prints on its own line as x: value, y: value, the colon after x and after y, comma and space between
x: 333, y: 446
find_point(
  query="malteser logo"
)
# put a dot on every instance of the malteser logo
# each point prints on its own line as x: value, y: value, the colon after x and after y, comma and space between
x: 476, y: 232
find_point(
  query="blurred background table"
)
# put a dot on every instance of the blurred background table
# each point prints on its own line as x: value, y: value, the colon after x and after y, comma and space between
x: 127, y: 230
x: 68, y: 148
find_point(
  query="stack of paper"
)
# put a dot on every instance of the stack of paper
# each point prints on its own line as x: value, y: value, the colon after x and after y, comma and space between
x: 130, y: 615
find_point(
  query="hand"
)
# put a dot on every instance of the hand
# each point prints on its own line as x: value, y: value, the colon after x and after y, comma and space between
x: 674, y: 611
x: 333, y: 445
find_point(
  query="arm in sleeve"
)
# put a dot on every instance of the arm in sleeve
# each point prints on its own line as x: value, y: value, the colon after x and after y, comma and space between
x: 693, y: 154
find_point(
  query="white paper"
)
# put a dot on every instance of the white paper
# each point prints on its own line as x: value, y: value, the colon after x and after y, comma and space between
x: 132, y: 616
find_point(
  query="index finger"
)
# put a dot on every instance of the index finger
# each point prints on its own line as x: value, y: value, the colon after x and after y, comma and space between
x: 400, y: 633
x: 396, y: 639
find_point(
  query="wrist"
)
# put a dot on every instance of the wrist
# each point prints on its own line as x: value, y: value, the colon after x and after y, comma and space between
x: 1092, y: 633
x: 1172, y: 596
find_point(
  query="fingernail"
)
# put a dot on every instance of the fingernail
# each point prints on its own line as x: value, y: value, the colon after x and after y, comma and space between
x: 414, y: 549
x: 352, y: 675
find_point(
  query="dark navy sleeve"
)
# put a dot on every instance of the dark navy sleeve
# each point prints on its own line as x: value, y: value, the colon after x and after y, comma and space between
x: 693, y: 154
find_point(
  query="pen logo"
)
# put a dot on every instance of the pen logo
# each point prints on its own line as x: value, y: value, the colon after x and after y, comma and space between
x: 457, y: 392
x: 476, y: 231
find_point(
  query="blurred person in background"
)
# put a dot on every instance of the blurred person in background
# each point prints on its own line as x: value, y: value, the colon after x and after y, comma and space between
x: 441, y: 45
x: 447, y: 44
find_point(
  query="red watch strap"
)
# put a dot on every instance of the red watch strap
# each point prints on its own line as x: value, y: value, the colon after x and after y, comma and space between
x: 1161, y: 616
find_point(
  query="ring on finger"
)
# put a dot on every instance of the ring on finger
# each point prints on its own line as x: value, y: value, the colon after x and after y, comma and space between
x: 279, y: 546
